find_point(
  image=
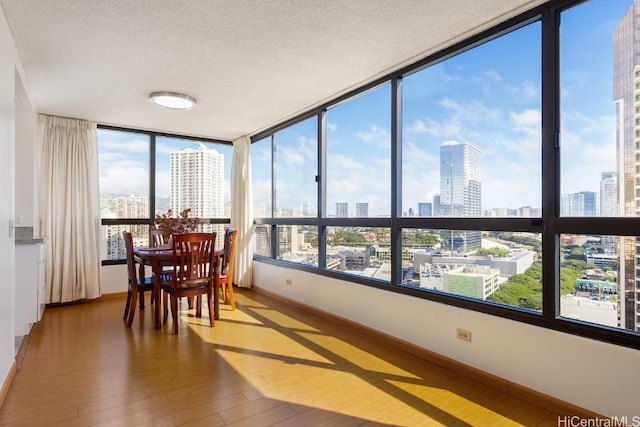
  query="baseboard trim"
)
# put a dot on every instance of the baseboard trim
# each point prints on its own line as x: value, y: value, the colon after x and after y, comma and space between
x: 22, y: 351
x: 7, y: 383
x: 503, y: 385
x: 113, y: 295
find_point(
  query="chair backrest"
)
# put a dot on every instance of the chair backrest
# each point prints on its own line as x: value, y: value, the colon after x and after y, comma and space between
x: 226, y: 267
x: 193, y: 258
x: 131, y: 264
x: 157, y: 237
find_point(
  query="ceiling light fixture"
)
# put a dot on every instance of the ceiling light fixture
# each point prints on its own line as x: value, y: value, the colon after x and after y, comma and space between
x: 173, y: 100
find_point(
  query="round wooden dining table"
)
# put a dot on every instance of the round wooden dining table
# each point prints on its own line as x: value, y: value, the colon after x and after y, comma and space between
x: 158, y: 257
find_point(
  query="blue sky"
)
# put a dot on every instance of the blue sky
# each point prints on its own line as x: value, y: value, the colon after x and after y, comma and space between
x: 124, y: 163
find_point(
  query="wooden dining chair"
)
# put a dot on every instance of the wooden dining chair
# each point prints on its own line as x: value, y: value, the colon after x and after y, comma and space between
x: 157, y: 237
x: 138, y: 283
x: 193, y: 273
x: 225, y: 278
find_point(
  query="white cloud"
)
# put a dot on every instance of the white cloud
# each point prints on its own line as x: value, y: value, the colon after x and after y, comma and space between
x: 376, y: 135
x: 471, y: 111
x: 528, y: 122
x: 433, y: 128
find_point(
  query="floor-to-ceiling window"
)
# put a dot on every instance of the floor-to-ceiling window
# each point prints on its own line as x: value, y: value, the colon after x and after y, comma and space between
x: 499, y: 175
x: 144, y: 174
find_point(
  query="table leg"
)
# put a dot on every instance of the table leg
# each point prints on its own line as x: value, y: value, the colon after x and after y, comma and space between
x: 157, y: 321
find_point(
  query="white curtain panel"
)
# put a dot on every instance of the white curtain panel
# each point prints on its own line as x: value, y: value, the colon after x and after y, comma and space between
x: 242, y: 212
x: 69, y: 205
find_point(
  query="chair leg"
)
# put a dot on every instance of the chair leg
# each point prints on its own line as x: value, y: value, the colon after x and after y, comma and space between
x: 199, y: 306
x: 132, y: 307
x: 141, y: 300
x: 174, y: 313
x: 210, y: 307
x: 127, y: 305
x: 230, y: 299
x: 165, y: 307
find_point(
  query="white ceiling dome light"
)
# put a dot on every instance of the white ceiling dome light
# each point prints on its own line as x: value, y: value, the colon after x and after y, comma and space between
x: 173, y: 100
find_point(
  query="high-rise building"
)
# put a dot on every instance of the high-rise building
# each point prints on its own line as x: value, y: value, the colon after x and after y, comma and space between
x: 342, y: 209
x: 609, y: 207
x: 436, y: 205
x: 197, y: 183
x: 525, y: 211
x: 460, y: 192
x: 132, y: 207
x: 609, y: 194
x: 362, y: 210
x: 127, y: 207
x: 579, y: 204
x: 424, y: 209
x: 626, y: 76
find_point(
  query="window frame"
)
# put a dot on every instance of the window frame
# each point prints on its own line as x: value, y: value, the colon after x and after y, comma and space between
x: 550, y: 226
x: 152, y: 181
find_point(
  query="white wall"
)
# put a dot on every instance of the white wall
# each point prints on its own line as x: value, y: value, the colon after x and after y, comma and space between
x: 7, y: 247
x: 26, y: 137
x: 114, y: 278
x: 599, y: 377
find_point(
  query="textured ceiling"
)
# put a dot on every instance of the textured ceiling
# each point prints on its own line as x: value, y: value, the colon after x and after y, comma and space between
x: 250, y: 63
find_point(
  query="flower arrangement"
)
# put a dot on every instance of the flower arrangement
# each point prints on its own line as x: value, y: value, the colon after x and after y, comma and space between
x: 176, y: 224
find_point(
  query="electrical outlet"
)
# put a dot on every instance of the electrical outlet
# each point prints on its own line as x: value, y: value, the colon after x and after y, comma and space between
x: 289, y: 282
x: 463, y: 335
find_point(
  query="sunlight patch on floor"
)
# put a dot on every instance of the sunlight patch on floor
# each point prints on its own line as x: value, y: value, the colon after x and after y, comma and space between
x: 367, y: 400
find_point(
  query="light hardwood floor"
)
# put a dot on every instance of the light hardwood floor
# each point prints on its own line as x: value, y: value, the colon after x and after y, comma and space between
x: 267, y: 363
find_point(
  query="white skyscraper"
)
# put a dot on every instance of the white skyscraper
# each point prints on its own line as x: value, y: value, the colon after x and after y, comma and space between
x: 342, y: 209
x: 362, y: 210
x: 460, y: 192
x: 609, y: 207
x: 132, y: 207
x: 126, y: 207
x: 197, y: 183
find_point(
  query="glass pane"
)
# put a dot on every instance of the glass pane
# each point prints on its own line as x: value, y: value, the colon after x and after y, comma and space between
x: 113, y: 244
x: 471, y: 132
x: 358, y: 141
x: 193, y: 175
x: 124, y: 174
x: 298, y: 243
x: 505, y: 267
x: 363, y: 251
x: 296, y: 168
x: 261, y: 166
x: 590, y: 287
x: 599, y: 77
x: 262, y: 240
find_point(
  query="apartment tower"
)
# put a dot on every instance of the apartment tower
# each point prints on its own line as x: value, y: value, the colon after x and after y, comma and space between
x: 362, y: 210
x: 197, y: 183
x: 342, y: 209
